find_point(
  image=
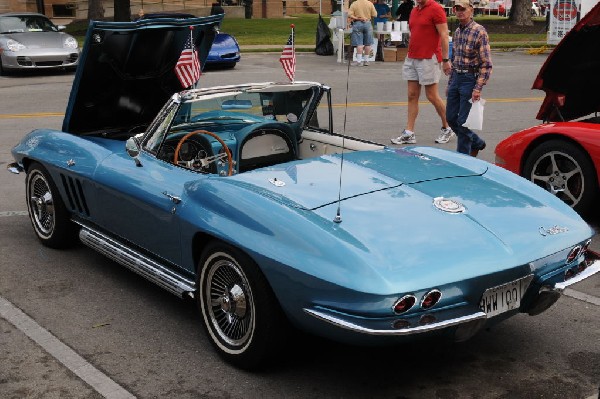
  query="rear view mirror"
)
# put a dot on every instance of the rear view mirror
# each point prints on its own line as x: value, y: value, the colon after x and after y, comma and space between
x: 236, y: 104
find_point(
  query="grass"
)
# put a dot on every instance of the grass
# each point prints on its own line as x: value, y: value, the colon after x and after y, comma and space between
x: 275, y: 31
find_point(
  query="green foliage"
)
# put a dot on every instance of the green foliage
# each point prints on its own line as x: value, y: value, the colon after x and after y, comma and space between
x: 273, y: 30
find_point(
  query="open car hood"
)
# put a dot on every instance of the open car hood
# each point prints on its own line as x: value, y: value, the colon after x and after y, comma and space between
x: 570, y: 74
x: 127, y: 71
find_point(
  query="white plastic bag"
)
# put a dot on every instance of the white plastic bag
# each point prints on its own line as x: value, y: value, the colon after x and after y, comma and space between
x: 475, y: 119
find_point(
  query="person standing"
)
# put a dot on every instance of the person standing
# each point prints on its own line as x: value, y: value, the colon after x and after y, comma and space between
x: 404, y: 9
x: 383, y: 11
x: 471, y: 69
x: 360, y: 14
x: 427, y: 48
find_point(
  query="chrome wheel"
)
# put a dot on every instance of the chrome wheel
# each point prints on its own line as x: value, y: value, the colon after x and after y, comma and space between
x: 40, y: 204
x: 241, y: 315
x: 565, y: 169
x: 230, y: 303
x: 50, y: 219
x: 560, y: 174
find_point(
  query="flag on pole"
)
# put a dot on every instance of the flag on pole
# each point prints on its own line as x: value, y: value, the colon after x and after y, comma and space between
x: 188, y: 65
x: 288, y: 57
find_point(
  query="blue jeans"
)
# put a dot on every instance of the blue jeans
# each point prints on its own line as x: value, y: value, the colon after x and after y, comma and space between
x: 362, y: 33
x: 457, y: 110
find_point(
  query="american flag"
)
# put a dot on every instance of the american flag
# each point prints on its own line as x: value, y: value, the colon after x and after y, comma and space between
x: 288, y: 58
x: 188, y: 65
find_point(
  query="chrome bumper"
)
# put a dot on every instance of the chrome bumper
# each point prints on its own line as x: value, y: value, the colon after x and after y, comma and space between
x: 469, y: 319
x: 592, y: 268
x: 15, y: 168
x: 409, y: 326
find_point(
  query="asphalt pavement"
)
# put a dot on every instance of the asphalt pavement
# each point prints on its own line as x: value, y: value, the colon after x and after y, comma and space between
x: 75, y: 325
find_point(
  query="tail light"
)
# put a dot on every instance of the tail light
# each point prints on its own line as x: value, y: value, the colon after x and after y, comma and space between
x: 574, y: 254
x: 430, y: 299
x: 404, y: 304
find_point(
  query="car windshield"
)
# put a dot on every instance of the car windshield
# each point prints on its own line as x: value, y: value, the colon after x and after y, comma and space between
x: 26, y: 23
x: 244, y: 107
x: 232, y: 111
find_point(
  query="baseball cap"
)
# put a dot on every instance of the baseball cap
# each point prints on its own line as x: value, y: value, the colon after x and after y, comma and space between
x: 463, y: 3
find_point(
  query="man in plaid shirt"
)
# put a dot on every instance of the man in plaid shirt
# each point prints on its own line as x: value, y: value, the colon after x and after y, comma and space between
x: 471, y: 69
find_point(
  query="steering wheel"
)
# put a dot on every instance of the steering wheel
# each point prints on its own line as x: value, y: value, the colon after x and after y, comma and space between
x: 206, y: 161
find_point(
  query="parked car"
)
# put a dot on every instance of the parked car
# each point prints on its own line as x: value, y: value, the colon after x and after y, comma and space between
x: 225, y: 50
x: 31, y: 41
x: 244, y: 198
x: 562, y: 155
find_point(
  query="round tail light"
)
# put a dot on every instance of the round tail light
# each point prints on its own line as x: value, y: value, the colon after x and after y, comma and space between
x: 404, y: 304
x: 574, y: 254
x: 430, y: 299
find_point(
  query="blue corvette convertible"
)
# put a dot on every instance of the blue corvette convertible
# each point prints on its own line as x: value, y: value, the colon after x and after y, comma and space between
x: 244, y: 198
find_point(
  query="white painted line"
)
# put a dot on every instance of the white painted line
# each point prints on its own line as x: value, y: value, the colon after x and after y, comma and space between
x: 13, y: 213
x: 99, y: 381
x: 582, y: 297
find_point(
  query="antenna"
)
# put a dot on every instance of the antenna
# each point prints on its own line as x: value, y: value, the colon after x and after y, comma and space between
x: 338, y: 215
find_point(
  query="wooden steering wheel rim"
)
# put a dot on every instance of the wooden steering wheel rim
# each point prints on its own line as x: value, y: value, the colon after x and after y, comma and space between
x: 200, y: 131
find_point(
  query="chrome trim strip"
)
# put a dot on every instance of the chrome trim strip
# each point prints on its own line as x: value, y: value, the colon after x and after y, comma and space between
x: 137, y: 262
x: 15, y: 168
x: 399, y: 332
x: 589, y: 271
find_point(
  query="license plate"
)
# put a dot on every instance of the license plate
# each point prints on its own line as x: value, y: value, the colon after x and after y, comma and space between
x: 504, y: 297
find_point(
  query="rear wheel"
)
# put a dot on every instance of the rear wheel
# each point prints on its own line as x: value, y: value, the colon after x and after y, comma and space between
x: 47, y: 212
x: 565, y: 170
x: 240, y: 312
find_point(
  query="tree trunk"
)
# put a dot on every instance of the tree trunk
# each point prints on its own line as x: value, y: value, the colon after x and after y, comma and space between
x: 122, y: 10
x: 520, y: 13
x: 95, y: 10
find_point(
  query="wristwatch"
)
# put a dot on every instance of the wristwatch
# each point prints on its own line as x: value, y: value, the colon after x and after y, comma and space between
x: 445, y: 59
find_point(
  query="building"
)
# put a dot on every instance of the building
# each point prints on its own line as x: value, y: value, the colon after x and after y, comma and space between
x: 64, y: 11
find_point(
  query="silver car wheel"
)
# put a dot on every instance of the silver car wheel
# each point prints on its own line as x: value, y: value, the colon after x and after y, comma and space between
x: 40, y: 204
x: 560, y: 174
x: 230, y: 302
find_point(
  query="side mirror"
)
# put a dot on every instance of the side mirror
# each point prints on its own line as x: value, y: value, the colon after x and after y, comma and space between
x: 61, y: 27
x: 133, y: 149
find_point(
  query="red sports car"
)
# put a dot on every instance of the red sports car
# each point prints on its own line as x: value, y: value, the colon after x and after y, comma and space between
x: 562, y: 155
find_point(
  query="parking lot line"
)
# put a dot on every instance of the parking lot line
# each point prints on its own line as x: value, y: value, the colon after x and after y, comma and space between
x: 99, y: 381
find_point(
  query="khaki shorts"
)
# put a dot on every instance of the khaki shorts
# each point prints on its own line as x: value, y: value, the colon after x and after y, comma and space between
x: 427, y: 71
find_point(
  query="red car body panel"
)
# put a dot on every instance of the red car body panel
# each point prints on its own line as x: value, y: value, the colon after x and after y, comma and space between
x: 511, y: 152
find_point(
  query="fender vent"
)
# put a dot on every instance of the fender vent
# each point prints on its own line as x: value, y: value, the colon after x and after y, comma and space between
x: 75, y: 195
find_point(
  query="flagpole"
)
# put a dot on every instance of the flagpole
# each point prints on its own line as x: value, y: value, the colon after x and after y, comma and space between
x: 293, y: 46
x: 195, y: 85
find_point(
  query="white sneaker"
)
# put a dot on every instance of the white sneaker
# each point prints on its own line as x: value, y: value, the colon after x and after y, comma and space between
x: 445, y: 135
x: 358, y: 64
x: 366, y: 63
x: 405, y: 138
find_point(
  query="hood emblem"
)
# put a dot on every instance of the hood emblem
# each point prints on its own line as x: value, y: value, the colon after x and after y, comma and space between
x: 552, y: 230
x: 276, y: 183
x: 448, y: 205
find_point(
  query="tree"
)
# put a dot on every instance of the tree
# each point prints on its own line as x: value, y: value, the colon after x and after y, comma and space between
x: 520, y: 13
x: 95, y: 10
x: 122, y: 10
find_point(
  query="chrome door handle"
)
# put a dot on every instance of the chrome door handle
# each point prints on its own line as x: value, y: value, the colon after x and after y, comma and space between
x: 173, y: 198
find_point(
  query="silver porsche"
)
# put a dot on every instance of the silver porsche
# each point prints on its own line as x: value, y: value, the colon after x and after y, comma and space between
x: 32, y: 41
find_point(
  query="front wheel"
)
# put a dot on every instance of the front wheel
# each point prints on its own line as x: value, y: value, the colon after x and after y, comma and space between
x: 47, y: 212
x: 240, y: 312
x: 565, y: 170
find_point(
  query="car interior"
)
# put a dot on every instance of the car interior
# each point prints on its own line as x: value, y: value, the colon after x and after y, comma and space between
x: 242, y: 131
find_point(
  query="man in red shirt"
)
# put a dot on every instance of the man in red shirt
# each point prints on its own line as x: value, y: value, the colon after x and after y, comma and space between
x: 428, y: 47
